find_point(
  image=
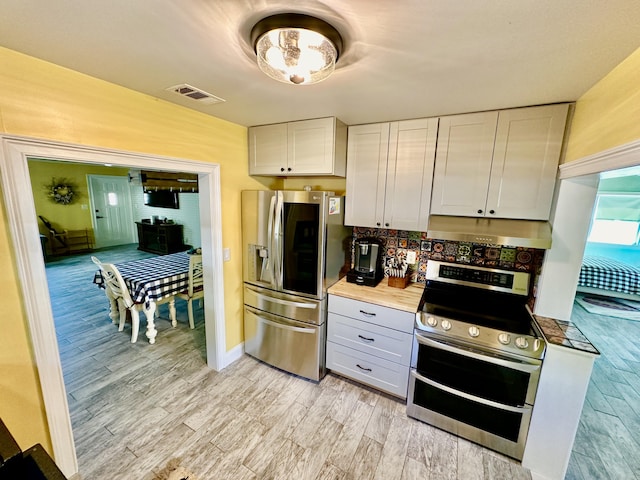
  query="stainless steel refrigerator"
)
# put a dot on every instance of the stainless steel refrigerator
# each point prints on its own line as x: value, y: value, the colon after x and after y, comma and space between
x: 295, y: 247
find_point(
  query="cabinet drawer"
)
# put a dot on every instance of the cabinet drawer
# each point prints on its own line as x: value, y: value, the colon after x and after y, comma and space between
x: 382, y: 342
x: 368, y: 369
x: 372, y: 313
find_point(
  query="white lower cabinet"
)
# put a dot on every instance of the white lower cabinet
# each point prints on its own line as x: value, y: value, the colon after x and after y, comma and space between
x: 368, y: 369
x: 370, y: 343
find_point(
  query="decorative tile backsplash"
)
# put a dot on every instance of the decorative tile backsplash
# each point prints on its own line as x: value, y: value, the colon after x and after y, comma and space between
x: 399, y: 242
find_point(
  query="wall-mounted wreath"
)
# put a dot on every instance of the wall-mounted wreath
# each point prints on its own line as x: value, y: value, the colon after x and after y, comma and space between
x: 62, y: 191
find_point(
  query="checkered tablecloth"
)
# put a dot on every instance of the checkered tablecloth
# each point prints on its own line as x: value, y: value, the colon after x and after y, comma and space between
x: 608, y: 274
x: 153, y: 278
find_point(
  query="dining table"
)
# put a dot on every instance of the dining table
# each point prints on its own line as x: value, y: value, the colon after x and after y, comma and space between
x: 150, y: 281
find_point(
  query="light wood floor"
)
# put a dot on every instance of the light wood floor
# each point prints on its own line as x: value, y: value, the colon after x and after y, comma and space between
x: 135, y: 406
x: 607, y: 443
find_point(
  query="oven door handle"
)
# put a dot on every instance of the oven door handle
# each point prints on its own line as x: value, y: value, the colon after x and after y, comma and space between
x: 523, y: 366
x: 468, y: 396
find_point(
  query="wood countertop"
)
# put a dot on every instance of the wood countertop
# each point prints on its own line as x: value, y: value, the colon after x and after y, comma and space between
x: 405, y: 299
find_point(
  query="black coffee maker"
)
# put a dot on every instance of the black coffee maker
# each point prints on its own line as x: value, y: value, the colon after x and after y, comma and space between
x: 367, y: 269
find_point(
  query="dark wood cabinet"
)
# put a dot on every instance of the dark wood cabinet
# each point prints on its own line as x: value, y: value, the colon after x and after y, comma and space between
x: 160, y: 238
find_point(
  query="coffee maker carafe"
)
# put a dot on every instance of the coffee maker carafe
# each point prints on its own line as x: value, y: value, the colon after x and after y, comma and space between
x: 367, y: 268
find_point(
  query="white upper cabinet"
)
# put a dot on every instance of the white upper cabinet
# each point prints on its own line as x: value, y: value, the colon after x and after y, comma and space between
x: 389, y: 174
x: 499, y: 164
x: 268, y: 149
x: 303, y: 148
x: 367, y: 150
x: 463, y: 163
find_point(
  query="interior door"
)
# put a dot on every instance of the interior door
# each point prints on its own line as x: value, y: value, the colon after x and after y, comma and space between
x: 112, y: 215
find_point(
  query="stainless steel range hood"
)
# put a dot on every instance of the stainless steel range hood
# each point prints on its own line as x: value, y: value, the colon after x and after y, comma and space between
x: 500, y: 231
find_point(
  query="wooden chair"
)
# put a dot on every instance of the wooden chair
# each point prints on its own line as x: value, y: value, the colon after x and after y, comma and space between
x: 195, y: 290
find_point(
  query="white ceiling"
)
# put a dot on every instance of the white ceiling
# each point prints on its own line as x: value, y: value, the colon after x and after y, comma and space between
x: 403, y: 59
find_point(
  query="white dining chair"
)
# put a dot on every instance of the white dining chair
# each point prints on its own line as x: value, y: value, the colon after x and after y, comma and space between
x: 195, y: 289
x: 113, y: 302
x: 119, y: 292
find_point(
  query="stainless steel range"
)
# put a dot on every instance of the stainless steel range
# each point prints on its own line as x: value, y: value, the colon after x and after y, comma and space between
x: 477, y: 355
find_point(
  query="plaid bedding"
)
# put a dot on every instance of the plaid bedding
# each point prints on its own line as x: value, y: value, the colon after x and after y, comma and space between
x: 608, y: 274
x: 153, y: 278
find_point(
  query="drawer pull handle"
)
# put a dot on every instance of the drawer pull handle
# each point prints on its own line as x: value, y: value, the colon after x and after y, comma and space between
x: 363, y: 368
x: 367, y: 314
x: 367, y: 339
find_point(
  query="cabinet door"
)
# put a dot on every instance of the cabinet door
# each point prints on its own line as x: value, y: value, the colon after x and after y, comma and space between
x: 463, y: 164
x: 311, y: 147
x: 366, y: 173
x: 412, y: 148
x: 525, y: 161
x: 268, y: 149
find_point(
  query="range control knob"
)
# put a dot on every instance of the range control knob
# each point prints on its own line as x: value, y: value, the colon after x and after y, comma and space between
x: 504, y: 338
x: 474, y: 332
x: 446, y: 325
x: 536, y: 344
x: 522, y: 342
x: 432, y: 321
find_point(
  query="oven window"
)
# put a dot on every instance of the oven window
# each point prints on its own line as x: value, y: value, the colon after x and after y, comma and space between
x: 482, y: 379
x: 489, y: 419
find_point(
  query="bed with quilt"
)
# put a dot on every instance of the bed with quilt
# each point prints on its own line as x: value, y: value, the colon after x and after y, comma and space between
x: 609, y: 277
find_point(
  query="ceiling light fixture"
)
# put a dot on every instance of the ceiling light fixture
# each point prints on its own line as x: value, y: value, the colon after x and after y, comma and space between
x: 296, y: 48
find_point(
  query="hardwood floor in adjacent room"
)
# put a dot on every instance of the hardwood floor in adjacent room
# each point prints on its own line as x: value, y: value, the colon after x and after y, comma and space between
x: 136, y: 406
x: 607, y: 444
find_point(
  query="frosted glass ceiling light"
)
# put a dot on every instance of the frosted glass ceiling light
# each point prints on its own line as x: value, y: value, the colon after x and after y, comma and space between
x: 296, y: 48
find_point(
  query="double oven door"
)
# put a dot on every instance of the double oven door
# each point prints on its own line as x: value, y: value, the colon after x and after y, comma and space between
x: 483, y: 396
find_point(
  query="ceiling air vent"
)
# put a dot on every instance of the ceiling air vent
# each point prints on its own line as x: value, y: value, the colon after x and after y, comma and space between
x: 195, y: 94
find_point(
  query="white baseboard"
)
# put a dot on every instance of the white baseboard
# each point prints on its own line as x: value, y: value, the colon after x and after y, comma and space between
x: 234, y: 354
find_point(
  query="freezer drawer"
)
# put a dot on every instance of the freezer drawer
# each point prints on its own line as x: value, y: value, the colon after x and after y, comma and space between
x: 293, y: 346
x: 285, y: 305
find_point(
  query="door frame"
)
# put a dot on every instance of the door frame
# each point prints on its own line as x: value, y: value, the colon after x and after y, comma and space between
x: 92, y: 205
x: 22, y: 224
x: 572, y: 209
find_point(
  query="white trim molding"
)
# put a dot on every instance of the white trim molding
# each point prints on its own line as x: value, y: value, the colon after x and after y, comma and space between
x: 15, y: 152
x: 234, y: 354
x: 627, y: 155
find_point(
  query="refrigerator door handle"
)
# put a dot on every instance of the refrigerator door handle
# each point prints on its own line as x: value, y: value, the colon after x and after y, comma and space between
x: 281, y: 301
x: 277, y: 238
x: 281, y: 324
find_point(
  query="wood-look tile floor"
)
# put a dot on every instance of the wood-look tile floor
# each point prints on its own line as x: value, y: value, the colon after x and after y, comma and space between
x: 607, y: 444
x: 135, y: 406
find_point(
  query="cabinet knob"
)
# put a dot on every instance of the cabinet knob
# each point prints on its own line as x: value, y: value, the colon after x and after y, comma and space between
x: 386, y: 224
x: 479, y: 211
x: 492, y: 212
x: 289, y: 169
x: 378, y: 224
x: 282, y: 169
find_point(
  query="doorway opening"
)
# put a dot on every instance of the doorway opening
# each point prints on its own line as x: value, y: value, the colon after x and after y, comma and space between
x: 23, y: 227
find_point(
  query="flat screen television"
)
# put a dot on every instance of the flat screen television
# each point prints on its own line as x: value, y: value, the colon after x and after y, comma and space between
x: 162, y: 199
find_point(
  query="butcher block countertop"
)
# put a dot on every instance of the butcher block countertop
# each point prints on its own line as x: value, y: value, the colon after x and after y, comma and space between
x: 405, y: 299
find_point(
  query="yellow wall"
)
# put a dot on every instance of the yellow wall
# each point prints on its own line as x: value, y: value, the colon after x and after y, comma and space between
x: 72, y: 216
x: 608, y: 115
x: 42, y: 100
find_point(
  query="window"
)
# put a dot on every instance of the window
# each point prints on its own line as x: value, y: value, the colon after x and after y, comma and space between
x: 616, y: 219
